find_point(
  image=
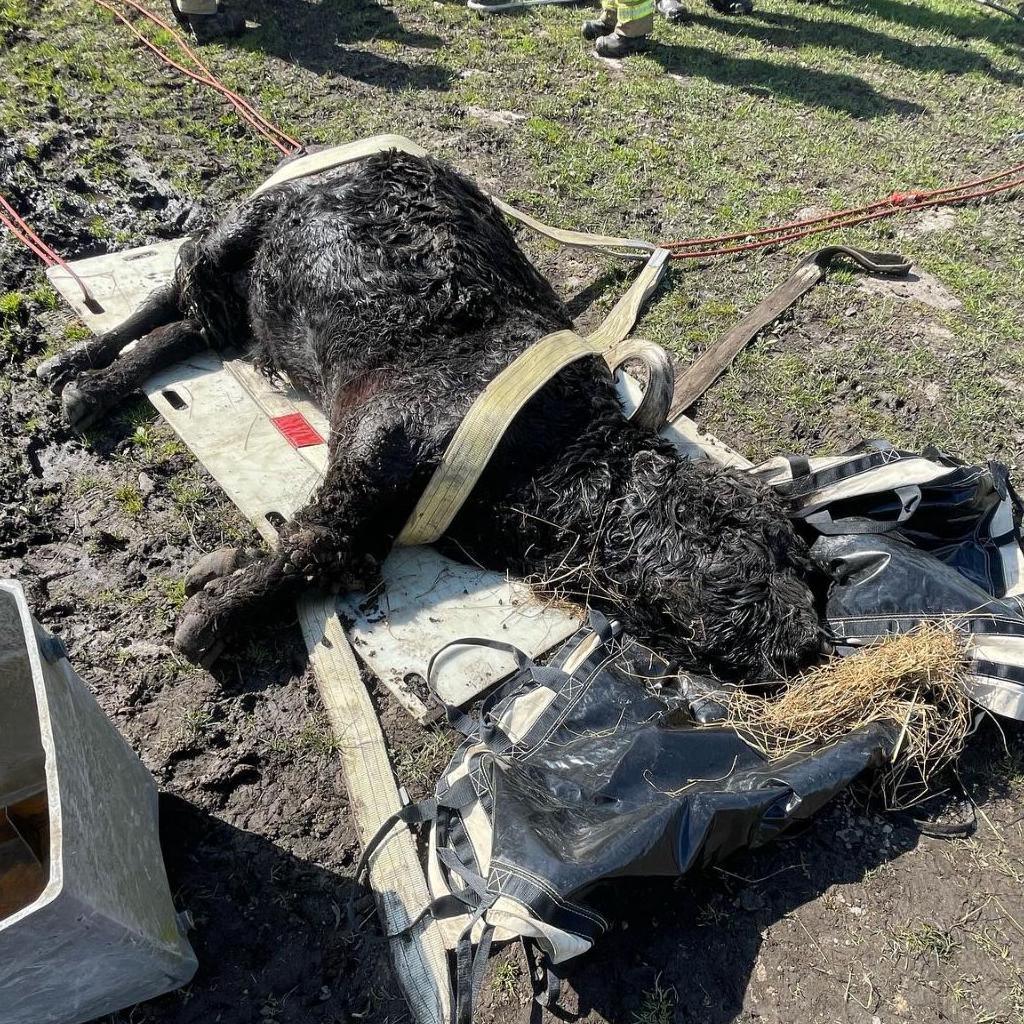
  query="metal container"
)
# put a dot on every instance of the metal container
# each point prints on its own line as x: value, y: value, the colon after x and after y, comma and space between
x: 87, y: 925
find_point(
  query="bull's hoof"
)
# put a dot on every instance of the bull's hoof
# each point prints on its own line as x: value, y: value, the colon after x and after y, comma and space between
x: 216, y: 564
x: 196, y: 635
x: 56, y: 371
x: 78, y: 410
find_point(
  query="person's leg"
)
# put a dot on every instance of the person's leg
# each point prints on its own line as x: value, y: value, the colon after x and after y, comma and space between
x: 208, y: 19
x: 604, y: 24
x: 634, y: 23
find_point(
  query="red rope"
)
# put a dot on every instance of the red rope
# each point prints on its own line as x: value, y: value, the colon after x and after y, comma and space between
x: 283, y: 142
x: 691, y: 248
x: 13, y: 221
x: 704, y: 248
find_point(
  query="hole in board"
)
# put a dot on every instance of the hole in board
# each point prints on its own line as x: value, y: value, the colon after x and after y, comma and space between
x: 415, y: 683
x: 174, y: 400
x: 275, y: 519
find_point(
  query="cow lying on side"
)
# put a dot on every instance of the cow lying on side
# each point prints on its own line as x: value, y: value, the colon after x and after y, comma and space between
x: 392, y: 291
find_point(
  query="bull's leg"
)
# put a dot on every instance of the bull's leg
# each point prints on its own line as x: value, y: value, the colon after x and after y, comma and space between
x: 336, y: 543
x: 215, y: 564
x: 97, y: 353
x: 94, y: 392
x: 308, y: 557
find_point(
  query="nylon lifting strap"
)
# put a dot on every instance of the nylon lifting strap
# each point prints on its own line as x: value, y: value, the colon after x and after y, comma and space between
x: 694, y: 383
x: 336, y: 156
x: 482, y: 428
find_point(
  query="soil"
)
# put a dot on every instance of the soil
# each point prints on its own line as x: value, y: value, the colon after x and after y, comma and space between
x: 859, y: 917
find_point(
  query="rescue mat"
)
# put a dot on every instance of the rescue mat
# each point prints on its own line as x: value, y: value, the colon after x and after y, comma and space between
x: 910, y: 538
x: 587, y: 769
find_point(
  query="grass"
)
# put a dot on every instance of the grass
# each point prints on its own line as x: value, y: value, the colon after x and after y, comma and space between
x: 172, y: 590
x: 194, y: 723
x: 925, y: 940
x: 315, y: 738
x: 157, y: 446
x: 505, y: 978
x: 657, y: 1005
x: 726, y: 124
x: 418, y: 765
x: 910, y: 681
x: 130, y: 499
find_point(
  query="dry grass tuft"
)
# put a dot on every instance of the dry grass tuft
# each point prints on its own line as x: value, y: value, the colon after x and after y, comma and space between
x: 911, y: 681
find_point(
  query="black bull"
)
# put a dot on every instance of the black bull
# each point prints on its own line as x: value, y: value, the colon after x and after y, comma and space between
x: 392, y: 291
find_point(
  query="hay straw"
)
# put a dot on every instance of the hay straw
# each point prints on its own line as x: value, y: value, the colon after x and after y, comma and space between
x: 912, y: 681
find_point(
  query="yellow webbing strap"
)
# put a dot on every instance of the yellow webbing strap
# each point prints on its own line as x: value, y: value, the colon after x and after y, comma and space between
x: 623, y: 317
x: 579, y: 239
x: 483, y: 427
x: 481, y: 430
x: 335, y: 156
x: 477, y: 437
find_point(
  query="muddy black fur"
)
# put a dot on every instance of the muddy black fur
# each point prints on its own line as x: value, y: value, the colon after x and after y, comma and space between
x: 393, y: 291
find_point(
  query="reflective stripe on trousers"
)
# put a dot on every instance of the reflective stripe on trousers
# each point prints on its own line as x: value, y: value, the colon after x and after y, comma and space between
x: 632, y: 17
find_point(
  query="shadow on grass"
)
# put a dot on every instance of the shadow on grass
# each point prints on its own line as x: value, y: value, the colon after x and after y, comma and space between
x: 993, y: 28
x: 788, y: 31
x: 846, y: 93
x: 323, y: 38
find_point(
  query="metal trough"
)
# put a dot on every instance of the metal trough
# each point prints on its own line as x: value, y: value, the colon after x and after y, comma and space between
x: 87, y: 925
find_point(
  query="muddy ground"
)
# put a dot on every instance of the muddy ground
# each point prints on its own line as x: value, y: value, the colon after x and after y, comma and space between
x: 858, y: 918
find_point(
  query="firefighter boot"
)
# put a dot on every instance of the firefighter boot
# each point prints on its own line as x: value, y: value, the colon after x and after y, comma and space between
x: 209, y: 19
x: 601, y: 26
x: 616, y: 46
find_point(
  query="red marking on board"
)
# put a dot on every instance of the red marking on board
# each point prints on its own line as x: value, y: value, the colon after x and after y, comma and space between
x: 297, y: 430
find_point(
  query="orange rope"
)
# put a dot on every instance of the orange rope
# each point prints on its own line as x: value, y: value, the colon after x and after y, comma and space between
x: 684, y: 249
x: 13, y: 221
x: 705, y: 248
x: 283, y: 142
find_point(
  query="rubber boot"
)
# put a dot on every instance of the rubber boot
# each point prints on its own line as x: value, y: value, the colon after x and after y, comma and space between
x: 597, y: 27
x: 224, y: 24
x: 616, y: 46
x: 671, y: 10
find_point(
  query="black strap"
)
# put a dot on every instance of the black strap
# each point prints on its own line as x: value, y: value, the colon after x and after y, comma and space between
x: 941, y: 830
x: 998, y: 670
x: 544, y: 979
x: 411, y: 814
x: 459, y: 794
x: 470, y: 969
x: 449, y: 905
x: 820, y: 478
x: 828, y: 525
x: 458, y: 719
x: 799, y: 465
